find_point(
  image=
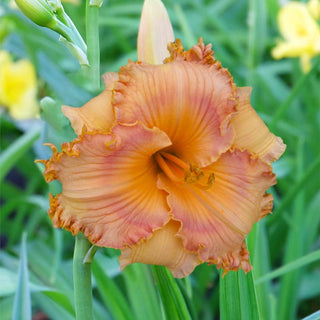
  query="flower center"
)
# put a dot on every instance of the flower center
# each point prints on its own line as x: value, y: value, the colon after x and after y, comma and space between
x: 181, y: 172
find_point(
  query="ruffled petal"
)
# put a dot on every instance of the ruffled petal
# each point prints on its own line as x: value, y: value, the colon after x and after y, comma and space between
x: 238, y: 259
x: 191, y: 102
x: 251, y: 133
x: 215, y: 221
x: 155, y: 33
x: 163, y: 248
x: 109, y: 186
x: 96, y: 114
x: 295, y: 48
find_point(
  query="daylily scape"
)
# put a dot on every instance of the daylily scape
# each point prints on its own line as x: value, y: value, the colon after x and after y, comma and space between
x: 171, y: 163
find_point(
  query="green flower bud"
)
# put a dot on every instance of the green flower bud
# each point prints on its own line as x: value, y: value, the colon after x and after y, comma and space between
x: 39, y: 11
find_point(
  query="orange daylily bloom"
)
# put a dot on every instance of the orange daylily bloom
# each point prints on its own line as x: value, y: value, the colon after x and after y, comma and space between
x: 171, y: 165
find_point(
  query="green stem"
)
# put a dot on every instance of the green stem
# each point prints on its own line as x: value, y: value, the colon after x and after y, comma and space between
x: 93, y: 50
x: 82, y: 279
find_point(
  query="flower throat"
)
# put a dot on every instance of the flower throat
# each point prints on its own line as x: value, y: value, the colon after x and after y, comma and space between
x: 181, y: 172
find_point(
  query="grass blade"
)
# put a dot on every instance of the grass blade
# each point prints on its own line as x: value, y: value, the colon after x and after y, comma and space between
x: 12, y: 154
x: 314, y: 316
x: 142, y: 292
x: 260, y: 257
x: 257, y: 31
x: 299, y: 263
x: 237, y: 296
x: 110, y: 293
x: 308, y: 176
x: 293, y: 93
x: 22, y: 299
x: 173, y: 303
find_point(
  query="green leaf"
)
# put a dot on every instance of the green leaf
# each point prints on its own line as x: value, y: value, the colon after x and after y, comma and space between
x: 58, y: 82
x: 309, y: 174
x: 110, y: 293
x: 11, y: 155
x: 309, y: 287
x: 142, y: 292
x: 299, y: 86
x: 54, y: 310
x: 22, y: 299
x: 57, y: 129
x: 237, y: 296
x: 259, y: 255
x: 257, y: 31
x: 172, y: 299
x: 6, y: 307
x: 314, y: 316
x: 296, y: 264
x: 9, y: 280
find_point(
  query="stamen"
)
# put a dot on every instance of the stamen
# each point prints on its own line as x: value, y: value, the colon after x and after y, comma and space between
x: 179, y: 171
x: 180, y: 163
x: 166, y: 169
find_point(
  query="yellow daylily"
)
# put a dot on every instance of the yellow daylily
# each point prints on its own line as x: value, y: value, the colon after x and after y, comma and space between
x: 314, y: 8
x: 171, y: 163
x: 300, y: 31
x: 18, y: 87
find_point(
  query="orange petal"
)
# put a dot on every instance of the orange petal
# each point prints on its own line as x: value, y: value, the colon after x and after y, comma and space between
x: 155, y: 33
x: 96, y: 114
x: 252, y: 134
x: 163, y: 248
x: 190, y: 102
x: 238, y: 259
x: 216, y: 221
x: 200, y: 53
x: 109, y: 186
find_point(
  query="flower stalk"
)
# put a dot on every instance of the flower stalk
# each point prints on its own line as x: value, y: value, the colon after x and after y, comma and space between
x: 82, y: 278
x: 92, y: 36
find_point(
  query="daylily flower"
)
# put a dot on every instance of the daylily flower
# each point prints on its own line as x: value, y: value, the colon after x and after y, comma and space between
x: 18, y: 87
x: 314, y: 8
x: 171, y: 163
x: 301, y: 32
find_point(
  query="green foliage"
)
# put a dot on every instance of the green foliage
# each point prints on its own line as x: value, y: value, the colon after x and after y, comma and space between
x: 173, y: 301
x: 284, y: 246
x: 238, y: 297
x: 22, y: 299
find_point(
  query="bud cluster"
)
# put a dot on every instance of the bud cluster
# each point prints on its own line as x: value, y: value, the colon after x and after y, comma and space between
x: 51, y: 14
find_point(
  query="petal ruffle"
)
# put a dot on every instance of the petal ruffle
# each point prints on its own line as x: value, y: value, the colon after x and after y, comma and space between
x: 251, y: 133
x: 216, y: 221
x: 191, y: 102
x: 96, y: 114
x: 109, y: 186
x: 163, y: 248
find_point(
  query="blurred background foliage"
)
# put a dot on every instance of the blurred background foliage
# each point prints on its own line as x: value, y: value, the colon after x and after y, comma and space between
x: 284, y: 246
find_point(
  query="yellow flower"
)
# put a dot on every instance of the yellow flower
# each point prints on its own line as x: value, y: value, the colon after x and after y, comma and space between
x: 171, y: 163
x: 300, y: 32
x: 18, y: 87
x: 314, y: 8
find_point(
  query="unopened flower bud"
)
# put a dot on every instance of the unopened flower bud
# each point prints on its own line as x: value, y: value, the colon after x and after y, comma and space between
x: 155, y: 33
x: 39, y: 11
